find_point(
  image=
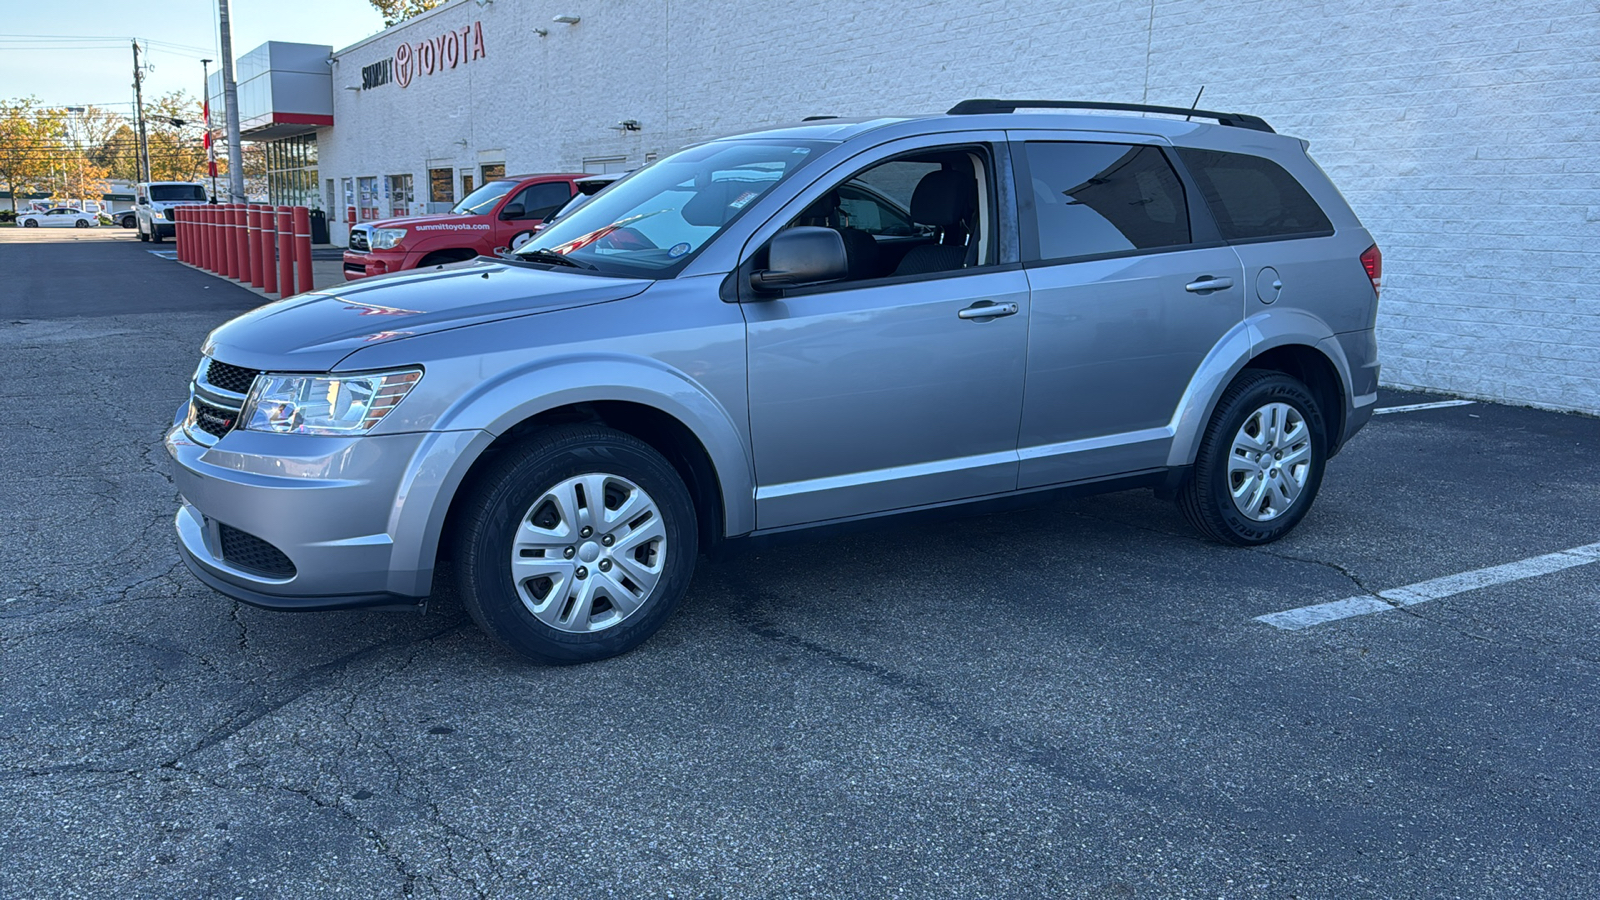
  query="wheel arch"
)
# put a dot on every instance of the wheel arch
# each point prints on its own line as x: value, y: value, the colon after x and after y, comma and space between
x: 1290, y: 341
x: 653, y: 403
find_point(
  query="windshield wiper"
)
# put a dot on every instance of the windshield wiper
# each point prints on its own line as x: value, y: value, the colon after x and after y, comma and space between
x: 550, y: 256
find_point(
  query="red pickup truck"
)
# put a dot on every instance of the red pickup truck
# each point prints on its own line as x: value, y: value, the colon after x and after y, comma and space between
x: 501, y: 215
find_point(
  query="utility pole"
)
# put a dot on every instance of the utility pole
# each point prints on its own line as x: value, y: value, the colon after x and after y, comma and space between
x: 138, y: 108
x: 230, y: 93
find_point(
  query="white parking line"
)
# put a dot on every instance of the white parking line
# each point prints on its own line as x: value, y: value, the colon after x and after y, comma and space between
x: 1416, y: 406
x: 1434, y: 589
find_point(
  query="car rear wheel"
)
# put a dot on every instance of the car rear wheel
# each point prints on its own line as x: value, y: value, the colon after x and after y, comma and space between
x: 81, y: 223
x: 575, y: 545
x: 1260, y: 462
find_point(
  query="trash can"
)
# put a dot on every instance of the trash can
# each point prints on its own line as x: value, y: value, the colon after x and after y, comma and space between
x: 319, y: 227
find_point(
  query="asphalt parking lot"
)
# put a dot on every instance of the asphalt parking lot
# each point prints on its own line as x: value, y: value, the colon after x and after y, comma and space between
x: 1073, y: 701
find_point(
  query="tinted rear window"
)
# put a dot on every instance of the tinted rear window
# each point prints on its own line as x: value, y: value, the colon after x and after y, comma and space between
x: 1092, y: 199
x: 1253, y: 197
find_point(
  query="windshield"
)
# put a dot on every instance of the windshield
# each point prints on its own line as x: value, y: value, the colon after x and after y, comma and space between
x: 654, y: 221
x: 481, y: 201
x: 173, y: 193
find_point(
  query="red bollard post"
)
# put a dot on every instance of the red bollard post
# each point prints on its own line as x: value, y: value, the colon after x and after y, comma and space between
x: 269, y: 243
x: 186, y: 234
x: 252, y: 235
x: 208, y: 240
x: 241, y: 242
x: 225, y: 238
x: 204, y: 233
x: 248, y: 270
x: 285, y: 251
x: 302, y: 247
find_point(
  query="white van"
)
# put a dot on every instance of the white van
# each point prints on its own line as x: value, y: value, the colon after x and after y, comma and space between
x: 153, y: 203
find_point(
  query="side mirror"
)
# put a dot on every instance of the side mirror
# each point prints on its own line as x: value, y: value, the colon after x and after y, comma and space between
x: 800, y: 256
x: 511, y: 211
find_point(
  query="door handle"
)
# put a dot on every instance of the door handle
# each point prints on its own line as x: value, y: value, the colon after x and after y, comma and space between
x: 1207, y: 283
x: 988, y: 310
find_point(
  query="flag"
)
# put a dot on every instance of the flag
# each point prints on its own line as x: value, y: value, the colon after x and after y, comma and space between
x: 211, y: 152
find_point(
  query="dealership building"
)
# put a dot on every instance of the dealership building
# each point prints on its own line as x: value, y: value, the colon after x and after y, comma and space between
x: 1465, y: 135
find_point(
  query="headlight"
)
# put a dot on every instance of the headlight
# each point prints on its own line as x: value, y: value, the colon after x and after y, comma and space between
x: 384, y: 238
x: 325, y: 404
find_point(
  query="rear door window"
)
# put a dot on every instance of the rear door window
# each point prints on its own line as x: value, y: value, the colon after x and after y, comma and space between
x: 1253, y: 198
x: 1093, y: 199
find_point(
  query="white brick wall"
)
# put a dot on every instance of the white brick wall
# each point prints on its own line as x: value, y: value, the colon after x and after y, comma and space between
x: 1465, y: 134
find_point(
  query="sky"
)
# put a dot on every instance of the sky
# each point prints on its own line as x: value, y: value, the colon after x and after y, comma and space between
x: 79, y: 53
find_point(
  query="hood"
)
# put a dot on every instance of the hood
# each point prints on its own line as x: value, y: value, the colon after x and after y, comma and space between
x: 313, y: 332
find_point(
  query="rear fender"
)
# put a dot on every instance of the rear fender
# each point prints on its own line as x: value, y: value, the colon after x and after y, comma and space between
x: 1242, y: 344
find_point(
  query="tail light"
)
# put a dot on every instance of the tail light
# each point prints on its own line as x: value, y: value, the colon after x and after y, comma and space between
x: 1372, y: 261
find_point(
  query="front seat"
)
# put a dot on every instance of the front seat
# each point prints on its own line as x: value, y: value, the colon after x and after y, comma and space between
x: 860, y: 248
x: 945, y: 200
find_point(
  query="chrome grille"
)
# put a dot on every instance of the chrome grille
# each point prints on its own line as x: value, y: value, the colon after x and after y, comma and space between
x: 215, y: 399
x: 212, y: 419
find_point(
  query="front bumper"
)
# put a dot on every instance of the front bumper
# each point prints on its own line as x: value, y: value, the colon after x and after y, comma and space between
x: 356, y: 520
x: 358, y: 264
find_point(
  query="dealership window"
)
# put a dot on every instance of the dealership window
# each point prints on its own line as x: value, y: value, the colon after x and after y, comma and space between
x: 291, y: 170
x: 367, y: 194
x: 491, y: 171
x: 400, y: 195
x: 441, y: 187
x: 349, y: 198
x: 466, y: 182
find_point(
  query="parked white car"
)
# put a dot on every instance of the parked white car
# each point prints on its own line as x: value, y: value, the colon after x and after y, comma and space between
x: 59, y: 217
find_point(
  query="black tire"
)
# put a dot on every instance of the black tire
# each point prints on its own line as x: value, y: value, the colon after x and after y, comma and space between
x: 155, y: 235
x: 81, y: 223
x: 128, y: 222
x: 31, y: 223
x: 142, y: 235
x: 498, y: 500
x: 1207, y: 496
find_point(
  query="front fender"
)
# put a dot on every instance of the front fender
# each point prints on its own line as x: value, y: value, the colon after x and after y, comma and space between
x: 497, y: 405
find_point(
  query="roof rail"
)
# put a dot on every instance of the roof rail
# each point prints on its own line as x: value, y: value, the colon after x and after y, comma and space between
x: 1233, y: 120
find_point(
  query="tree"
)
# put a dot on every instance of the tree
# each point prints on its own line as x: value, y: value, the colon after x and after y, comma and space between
x: 117, y: 153
x: 397, y: 11
x: 28, y: 132
x: 174, y: 124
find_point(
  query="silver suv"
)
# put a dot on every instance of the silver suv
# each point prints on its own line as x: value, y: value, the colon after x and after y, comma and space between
x: 790, y: 328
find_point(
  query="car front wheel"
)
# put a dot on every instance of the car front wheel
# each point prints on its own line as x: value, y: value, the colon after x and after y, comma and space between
x: 1260, y: 462
x: 575, y: 545
x: 31, y: 223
